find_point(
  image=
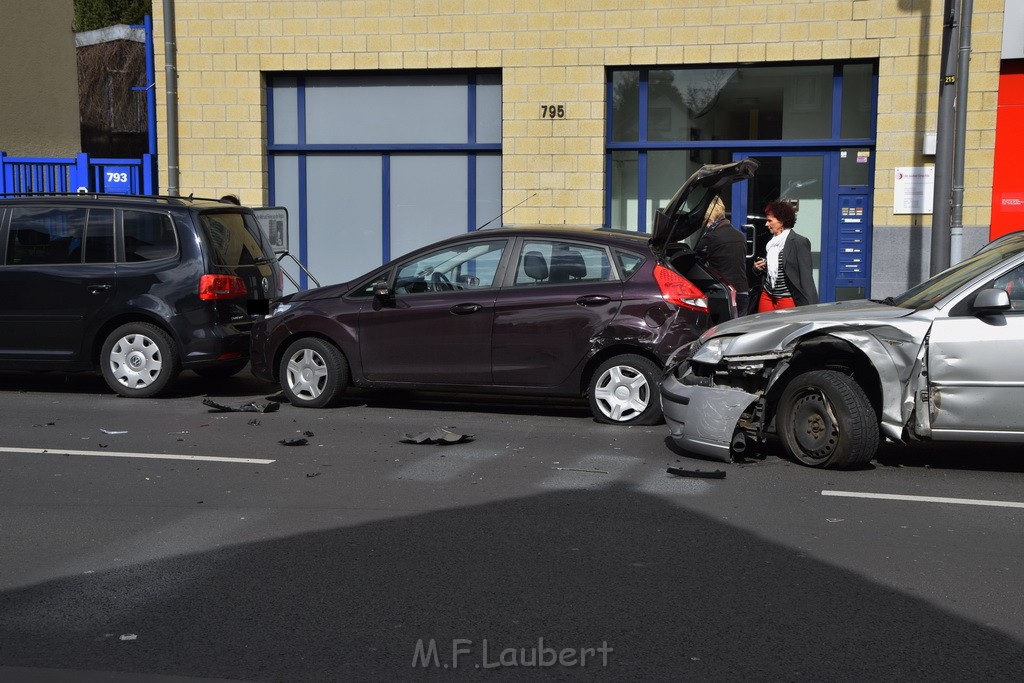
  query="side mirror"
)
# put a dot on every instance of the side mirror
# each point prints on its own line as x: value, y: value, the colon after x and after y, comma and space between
x: 382, y: 293
x: 992, y: 300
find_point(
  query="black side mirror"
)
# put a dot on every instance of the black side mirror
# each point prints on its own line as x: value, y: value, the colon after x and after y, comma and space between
x: 383, y: 293
x: 992, y: 300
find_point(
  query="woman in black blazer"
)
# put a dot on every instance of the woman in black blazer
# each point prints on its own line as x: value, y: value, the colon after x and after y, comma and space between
x: 786, y: 269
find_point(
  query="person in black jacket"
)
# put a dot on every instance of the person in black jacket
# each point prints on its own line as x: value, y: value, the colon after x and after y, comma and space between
x: 724, y: 248
x: 786, y: 270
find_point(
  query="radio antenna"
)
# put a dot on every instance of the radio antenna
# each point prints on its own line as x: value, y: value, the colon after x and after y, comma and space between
x: 506, y: 211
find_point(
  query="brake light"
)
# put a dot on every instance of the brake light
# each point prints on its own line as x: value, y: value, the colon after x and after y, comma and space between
x: 677, y: 290
x: 213, y: 287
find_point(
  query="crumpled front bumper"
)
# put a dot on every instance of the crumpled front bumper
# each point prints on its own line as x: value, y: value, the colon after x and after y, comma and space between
x: 702, y: 419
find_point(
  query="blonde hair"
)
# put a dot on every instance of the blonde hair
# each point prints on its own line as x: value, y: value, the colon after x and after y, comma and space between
x: 716, y: 211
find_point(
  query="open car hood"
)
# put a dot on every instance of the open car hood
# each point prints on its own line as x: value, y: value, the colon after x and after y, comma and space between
x: 684, y: 214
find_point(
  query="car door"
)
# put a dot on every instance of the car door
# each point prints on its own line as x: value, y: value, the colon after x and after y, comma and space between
x: 560, y: 295
x: 57, y: 277
x: 436, y: 327
x: 975, y: 368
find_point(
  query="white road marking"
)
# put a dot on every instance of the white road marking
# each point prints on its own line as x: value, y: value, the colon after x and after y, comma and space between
x: 925, y: 499
x: 116, y: 454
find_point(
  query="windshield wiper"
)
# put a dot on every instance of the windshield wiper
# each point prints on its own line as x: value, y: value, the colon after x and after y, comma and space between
x: 887, y: 301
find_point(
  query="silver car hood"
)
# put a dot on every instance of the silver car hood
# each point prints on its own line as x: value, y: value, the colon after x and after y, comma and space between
x: 766, y: 332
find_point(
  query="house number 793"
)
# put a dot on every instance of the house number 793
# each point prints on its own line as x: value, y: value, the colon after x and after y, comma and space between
x: 552, y: 111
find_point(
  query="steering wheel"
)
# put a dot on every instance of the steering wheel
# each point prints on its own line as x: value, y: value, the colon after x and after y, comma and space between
x: 440, y: 282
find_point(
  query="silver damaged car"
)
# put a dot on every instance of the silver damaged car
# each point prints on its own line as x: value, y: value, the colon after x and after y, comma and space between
x: 943, y: 361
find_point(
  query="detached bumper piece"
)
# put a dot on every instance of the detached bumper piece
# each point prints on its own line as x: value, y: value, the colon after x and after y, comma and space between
x: 703, y: 420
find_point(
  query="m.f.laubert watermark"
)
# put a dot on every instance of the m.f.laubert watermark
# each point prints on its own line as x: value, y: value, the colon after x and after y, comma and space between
x: 483, y: 654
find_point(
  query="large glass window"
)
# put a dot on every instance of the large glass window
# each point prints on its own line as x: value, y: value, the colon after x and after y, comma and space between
x: 374, y: 165
x: 667, y: 123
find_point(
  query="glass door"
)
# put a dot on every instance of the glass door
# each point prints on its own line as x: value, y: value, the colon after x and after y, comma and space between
x: 803, y: 178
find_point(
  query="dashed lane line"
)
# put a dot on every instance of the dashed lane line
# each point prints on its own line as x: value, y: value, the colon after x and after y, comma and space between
x: 116, y: 454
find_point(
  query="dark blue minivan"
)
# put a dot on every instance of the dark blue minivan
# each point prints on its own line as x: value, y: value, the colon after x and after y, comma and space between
x: 137, y: 287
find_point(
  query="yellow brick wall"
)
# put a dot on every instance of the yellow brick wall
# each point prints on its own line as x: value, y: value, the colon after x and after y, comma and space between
x: 557, y: 51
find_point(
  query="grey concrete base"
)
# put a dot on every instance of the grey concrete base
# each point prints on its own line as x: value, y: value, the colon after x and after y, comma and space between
x: 901, y: 256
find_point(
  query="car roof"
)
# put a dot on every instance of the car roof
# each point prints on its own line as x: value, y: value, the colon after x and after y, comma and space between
x: 79, y: 198
x: 625, y: 238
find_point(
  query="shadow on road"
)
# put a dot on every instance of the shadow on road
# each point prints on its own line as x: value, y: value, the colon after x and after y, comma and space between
x: 677, y: 596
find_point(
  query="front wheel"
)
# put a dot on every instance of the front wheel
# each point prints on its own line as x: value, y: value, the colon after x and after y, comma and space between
x: 138, y: 360
x: 313, y: 373
x: 826, y: 420
x: 623, y: 390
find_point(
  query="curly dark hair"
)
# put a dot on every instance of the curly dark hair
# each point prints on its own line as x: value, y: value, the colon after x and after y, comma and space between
x: 783, y: 210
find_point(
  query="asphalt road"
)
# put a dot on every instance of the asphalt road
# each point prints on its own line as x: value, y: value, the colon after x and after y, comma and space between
x: 548, y: 545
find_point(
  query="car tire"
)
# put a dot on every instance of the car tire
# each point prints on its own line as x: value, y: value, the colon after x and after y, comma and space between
x: 139, y: 360
x: 221, y: 371
x: 624, y: 390
x: 313, y: 373
x: 826, y: 420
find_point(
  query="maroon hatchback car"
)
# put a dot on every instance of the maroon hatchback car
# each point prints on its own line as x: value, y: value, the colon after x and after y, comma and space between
x: 544, y: 311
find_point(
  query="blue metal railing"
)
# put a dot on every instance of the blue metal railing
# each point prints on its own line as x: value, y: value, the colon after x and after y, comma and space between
x: 23, y: 175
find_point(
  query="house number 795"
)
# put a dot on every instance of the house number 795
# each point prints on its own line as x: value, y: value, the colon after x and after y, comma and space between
x: 552, y: 111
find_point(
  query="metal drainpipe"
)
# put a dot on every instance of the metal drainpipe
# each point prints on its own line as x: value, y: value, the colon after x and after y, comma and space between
x: 944, y: 135
x: 957, y: 225
x: 171, y: 75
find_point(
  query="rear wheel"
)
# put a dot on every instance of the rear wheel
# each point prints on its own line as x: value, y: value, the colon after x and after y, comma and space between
x: 826, y: 420
x: 313, y: 373
x: 138, y: 360
x: 624, y: 389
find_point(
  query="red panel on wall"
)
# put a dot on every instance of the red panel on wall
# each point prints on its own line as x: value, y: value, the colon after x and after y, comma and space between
x: 1008, y: 177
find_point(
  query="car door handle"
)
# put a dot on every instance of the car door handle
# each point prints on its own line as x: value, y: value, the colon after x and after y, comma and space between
x: 465, y: 309
x: 96, y: 289
x: 593, y: 300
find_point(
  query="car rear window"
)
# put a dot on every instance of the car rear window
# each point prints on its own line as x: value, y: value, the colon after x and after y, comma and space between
x: 234, y: 239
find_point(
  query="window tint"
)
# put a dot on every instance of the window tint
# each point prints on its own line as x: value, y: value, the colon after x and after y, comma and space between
x: 553, y: 262
x: 464, y: 266
x: 99, y: 236
x: 46, y: 236
x: 148, y: 236
x: 233, y: 238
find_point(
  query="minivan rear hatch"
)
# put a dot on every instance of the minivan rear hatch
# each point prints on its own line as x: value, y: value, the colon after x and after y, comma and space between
x: 239, y: 249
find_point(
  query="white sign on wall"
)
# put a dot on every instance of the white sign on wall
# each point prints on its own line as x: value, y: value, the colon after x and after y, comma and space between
x: 913, y: 189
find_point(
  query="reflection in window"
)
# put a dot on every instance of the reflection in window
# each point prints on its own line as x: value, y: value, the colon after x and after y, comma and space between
x: 628, y: 262
x: 748, y: 103
x: 465, y: 266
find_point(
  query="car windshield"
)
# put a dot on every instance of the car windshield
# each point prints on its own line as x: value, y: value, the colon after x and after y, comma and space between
x: 934, y: 289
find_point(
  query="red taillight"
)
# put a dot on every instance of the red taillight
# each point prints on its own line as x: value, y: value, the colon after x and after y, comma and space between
x: 213, y: 287
x: 678, y: 290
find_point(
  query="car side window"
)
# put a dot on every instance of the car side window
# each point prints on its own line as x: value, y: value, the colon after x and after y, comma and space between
x: 545, y: 262
x: 1013, y: 283
x: 45, y: 235
x: 456, y: 267
x: 628, y: 262
x: 148, y: 236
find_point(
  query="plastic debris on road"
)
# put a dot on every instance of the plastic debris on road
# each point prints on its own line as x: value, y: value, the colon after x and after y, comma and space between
x: 251, y: 407
x: 717, y: 474
x: 441, y: 436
